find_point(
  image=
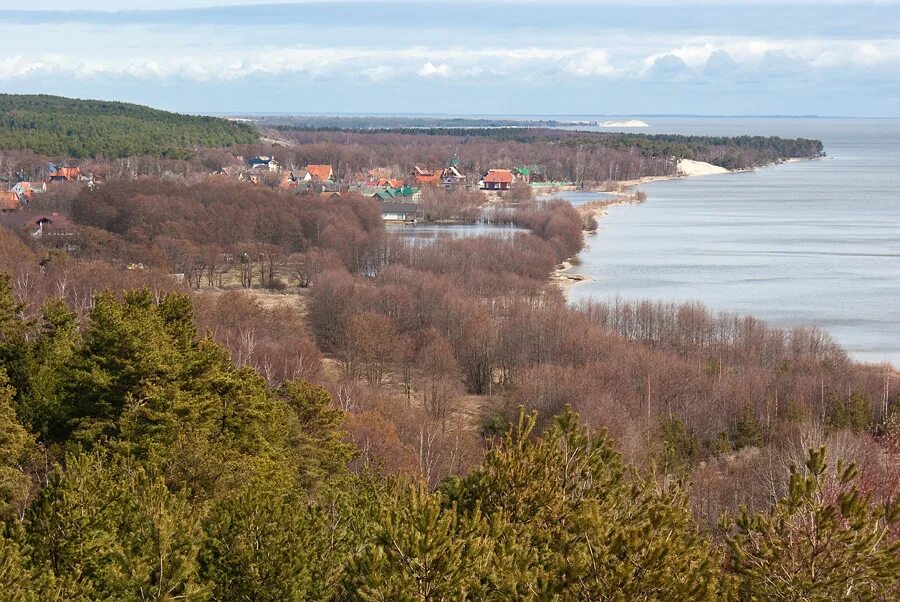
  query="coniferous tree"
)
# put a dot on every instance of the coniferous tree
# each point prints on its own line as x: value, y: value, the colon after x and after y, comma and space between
x: 576, y: 525
x: 15, y: 444
x: 422, y: 551
x: 114, y: 529
x: 820, y: 542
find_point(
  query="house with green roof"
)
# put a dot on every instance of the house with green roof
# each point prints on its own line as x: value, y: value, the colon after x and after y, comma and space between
x: 530, y: 173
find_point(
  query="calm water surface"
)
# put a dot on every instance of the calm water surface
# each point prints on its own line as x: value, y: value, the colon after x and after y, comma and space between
x: 813, y: 242
x: 432, y: 232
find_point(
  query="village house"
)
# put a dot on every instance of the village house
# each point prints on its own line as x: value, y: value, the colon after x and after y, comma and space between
x: 52, y: 225
x: 530, y: 173
x: 401, y: 212
x: 328, y: 186
x: 24, y: 189
x: 402, y: 193
x: 263, y: 162
x: 64, y: 174
x: 451, y: 178
x: 288, y: 182
x: 389, y: 183
x: 320, y: 172
x: 426, y: 177
x: 523, y: 174
x: 497, y: 179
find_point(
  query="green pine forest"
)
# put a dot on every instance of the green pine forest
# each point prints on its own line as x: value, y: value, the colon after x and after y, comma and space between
x: 137, y: 462
x: 66, y: 127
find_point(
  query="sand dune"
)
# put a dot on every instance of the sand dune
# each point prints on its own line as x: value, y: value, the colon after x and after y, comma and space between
x: 687, y: 167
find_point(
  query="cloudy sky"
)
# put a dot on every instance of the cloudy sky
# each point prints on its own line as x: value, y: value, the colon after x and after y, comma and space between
x: 529, y: 57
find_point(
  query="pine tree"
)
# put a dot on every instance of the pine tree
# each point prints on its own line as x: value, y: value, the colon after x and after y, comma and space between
x: 266, y: 545
x: 421, y: 550
x: 114, y: 528
x: 818, y: 543
x: 15, y: 350
x: 571, y: 522
x: 15, y: 443
x: 317, y: 445
x: 747, y: 432
x: 42, y: 402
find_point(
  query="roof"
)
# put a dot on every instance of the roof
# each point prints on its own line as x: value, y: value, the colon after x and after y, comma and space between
x: 384, y: 195
x: 428, y: 178
x: 60, y: 221
x: 453, y: 172
x: 499, y: 176
x: 69, y: 173
x: 9, y: 201
x: 322, y: 172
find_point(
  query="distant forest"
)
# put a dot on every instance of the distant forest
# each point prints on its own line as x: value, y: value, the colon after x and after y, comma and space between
x: 66, y: 127
x: 562, y: 155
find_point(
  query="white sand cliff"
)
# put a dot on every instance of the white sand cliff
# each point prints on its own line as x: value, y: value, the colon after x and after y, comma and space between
x: 630, y: 123
x: 687, y: 167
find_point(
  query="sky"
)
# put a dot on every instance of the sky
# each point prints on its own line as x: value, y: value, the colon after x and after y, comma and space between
x: 530, y: 57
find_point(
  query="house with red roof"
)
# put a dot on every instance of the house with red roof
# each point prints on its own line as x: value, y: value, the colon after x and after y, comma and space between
x: 64, y: 174
x: 320, y: 172
x: 426, y: 177
x: 497, y: 179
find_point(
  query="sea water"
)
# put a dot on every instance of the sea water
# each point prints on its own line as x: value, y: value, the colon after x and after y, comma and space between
x: 801, y: 243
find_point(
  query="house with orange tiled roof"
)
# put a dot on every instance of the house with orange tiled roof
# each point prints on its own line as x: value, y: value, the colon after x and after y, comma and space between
x: 64, y: 174
x: 289, y: 181
x: 426, y: 177
x: 320, y: 172
x: 26, y: 190
x: 497, y: 179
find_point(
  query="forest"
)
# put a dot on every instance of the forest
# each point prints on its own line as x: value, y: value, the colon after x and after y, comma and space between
x: 220, y: 391
x: 66, y: 127
x: 561, y: 155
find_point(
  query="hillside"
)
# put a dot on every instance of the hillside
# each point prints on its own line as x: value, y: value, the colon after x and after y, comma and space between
x: 58, y: 126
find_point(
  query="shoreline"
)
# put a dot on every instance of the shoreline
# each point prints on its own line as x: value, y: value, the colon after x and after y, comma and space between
x: 566, y: 279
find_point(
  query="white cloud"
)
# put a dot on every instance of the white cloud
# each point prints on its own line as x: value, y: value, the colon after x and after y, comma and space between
x: 592, y: 62
x: 429, y: 69
x: 199, y: 63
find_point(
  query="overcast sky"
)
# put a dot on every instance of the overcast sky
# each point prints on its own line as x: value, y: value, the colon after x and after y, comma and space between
x: 531, y: 57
